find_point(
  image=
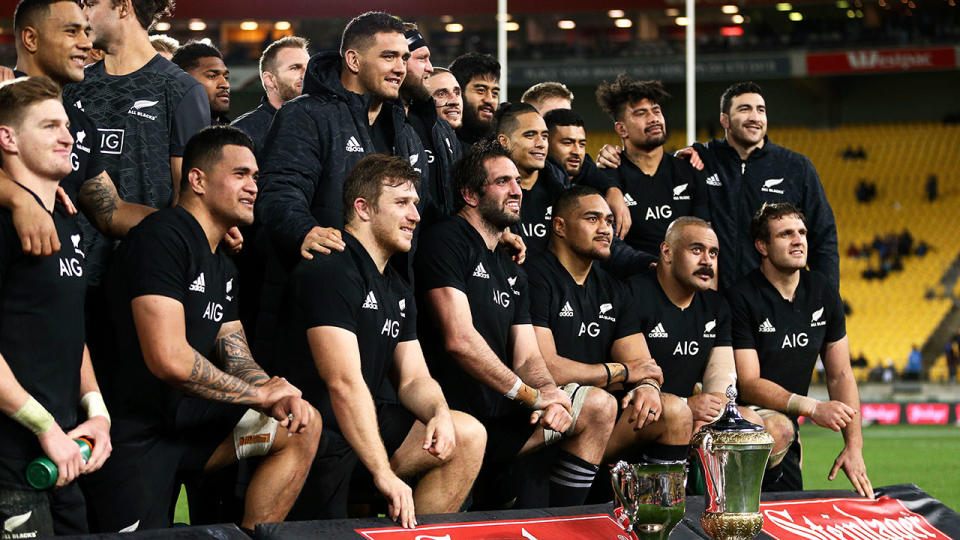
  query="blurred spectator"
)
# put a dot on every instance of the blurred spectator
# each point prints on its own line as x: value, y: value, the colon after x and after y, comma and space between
x: 889, y: 372
x: 952, y: 350
x: 850, y: 153
x: 860, y: 361
x: 905, y: 242
x: 932, y: 187
x: 865, y: 191
x: 914, y: 365
x: 853, y: 250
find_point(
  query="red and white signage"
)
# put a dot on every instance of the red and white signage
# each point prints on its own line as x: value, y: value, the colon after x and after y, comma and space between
x: 881, y: 413
x: 881, y: 60
x: 841, y: 519
x: 928, y: 413
x: 571, y: 527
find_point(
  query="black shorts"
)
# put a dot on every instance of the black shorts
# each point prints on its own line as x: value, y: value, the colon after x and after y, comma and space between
x: 506, y: 437
x: 26, y: 512
x: 137, y: 486
x: 327, y: 490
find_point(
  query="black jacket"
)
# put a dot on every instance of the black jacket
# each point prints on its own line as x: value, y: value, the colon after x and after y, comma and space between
x: 313, y: 143
x: 443, y: 151
x: 256, y: 123
x: 736, y: 189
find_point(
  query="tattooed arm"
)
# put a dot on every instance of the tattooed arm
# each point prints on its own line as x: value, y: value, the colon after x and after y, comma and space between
x: 111, y: 215
x: 235, y: 355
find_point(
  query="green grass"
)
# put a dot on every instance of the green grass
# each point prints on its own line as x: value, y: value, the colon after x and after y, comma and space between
x: 928, y: 456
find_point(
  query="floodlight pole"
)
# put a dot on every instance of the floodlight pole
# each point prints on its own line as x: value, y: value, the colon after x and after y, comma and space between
x: 691, y: 73
x: 502, y: 46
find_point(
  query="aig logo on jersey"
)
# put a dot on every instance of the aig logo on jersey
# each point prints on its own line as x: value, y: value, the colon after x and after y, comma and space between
x: 815, y: 318
x: 71, y: 267
x: 679, y: 193
x: 708, y: 329
x: 391, y: 328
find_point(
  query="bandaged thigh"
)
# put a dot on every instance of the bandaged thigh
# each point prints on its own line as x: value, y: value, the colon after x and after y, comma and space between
x: 254, y: 434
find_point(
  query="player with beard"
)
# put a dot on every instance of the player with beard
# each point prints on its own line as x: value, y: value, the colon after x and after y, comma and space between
x: 657, y: 187
x: 485, y: 354
x: 204, y: 62
x: 743, y: 171
x: 282, y: 66
x: 685, y: 323
x: 445, y: 90
x: 52, y: 41
x: 46, y: 376
x: 439, y: 140
x: 588, y: 332
x: 568, y: 142
x: 479, y: 77
x: 784, y: 318
x: 521, y: 131
x: 351, y: 329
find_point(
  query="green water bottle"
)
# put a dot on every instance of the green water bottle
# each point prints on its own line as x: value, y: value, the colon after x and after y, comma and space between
x: 42, y: 472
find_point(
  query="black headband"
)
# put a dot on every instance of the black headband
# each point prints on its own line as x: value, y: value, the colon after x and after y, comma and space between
x: 414, y: 39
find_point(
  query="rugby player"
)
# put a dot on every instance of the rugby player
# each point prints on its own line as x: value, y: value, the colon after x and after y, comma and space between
x: 445, y: 90
x: 204, y: 62
x: 547, y: 96
x: 485, y: 353
x: 188, y: 395
x: 478, y: 76
x: 783, y: 318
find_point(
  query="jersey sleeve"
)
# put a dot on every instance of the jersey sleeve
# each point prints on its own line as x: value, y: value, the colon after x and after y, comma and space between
x: 628, y: 319
x: 408, y: 331
x: 443, y: 264
x: 192, y: 115
x: 541, y: 297
x: 9, y: 242
x: 521, y: 315
x: 698, y: 194
x: 95, y: 163
x: 824, y: 257
x: 595, y: 177
x: 724, y: 338
x: 157, y: 262
x: 837, y: 322
x: 741, y: 323
x: 232, y: 311
x: 326, y: 295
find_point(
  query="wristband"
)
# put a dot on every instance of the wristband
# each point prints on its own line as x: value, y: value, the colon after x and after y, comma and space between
x: 801, y: 405
x: 34, y: 417
x: 512, y: 393
x: 529, y: 397
x: 650, y: 382
x: 607, y: 369
x: 626, y: 373
x: 93, y: 403
x: 651, y: 385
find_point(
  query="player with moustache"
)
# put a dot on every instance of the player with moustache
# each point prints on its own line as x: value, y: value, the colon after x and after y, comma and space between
x: 53, y: 41
x: 204, y: 62
x: 521, y: 131
x: 46, y: 377
x: 485, y: 353
x: 784, y: 318
x: 188, y: 395
x: 657, y: 187
x: 438, y: 137
x: 445, y: 90
x: 282, y: 66
x: 352, y: 330
x: 478, y: 76
x: 588, y: 332
x: 685, y: 323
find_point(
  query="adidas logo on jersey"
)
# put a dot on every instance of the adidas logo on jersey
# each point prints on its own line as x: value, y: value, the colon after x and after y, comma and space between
x: 370, y: 302
x: 768, y: 186
x: 658, y: 331
x: 567, y: 311
x: 714, y: 180
x: 480, y: 272
x: 629, y: 200
x: 766, y: 327
x: 353, y: 145
x: 199, y: 284
x: 678, y: 193
x: 815, y: 318
x: 708, y: 329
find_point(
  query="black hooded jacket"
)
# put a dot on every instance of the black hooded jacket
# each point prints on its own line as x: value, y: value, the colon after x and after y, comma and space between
x: 737, y: 188
x: 443, y: 151
x: 313, y: 143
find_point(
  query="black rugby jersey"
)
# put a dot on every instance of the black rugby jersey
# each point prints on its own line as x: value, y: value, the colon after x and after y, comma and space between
x: 167, y: 254
x: 655, y: 201
x: 585, y: 319
x: 536, y: 208
x: 346, y: 290
x: 788, y: 336
x: 41, y: 333
x: 142, y: 119
x: 496, y: 289
x: 680, y: 340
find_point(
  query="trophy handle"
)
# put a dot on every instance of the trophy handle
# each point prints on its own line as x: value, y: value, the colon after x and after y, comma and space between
x: 622, y: 470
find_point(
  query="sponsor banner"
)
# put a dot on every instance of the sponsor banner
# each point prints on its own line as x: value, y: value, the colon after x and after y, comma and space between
x: 881, y: 60
x: 829, y: 519
x: 523, y: 73
x: 956, y: 413
x: 572, y: 527
x: 881, y: 413
x: 928, y: 413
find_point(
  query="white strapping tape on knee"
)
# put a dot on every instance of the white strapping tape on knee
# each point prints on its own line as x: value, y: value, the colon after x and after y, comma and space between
x: 578, y: 394
x: 253, y: 435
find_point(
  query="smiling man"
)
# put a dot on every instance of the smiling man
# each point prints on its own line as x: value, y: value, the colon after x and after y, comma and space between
x: 446, y: 94
x: 479, y: 77
x: 204, y: 62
